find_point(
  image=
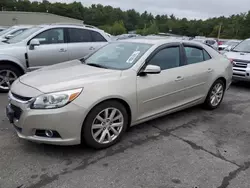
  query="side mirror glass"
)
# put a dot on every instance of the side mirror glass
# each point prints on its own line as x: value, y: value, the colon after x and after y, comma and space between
x: 33, y: 43
x: 152, y: 69
x: 9, y: 36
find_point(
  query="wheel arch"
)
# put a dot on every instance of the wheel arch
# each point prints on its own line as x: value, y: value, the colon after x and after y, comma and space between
x: 114, y: 98
x: 19, y: 66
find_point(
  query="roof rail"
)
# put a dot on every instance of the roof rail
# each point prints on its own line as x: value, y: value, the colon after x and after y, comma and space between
x: 65, y: 23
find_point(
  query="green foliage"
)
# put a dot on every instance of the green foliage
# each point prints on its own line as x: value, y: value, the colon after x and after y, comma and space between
x: 115, y: 21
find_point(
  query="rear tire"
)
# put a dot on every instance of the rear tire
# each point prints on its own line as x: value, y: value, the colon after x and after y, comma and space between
x: 105, y: 125
x: 8, y: 74
x: 215, y: 95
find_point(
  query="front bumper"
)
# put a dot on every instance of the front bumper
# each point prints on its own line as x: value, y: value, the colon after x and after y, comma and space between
x: 67, y: 121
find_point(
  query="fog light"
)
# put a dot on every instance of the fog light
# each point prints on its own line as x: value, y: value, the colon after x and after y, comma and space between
x: 49, y: 133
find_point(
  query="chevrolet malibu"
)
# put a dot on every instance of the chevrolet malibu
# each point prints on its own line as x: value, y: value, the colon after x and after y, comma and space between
x: 95, y: 99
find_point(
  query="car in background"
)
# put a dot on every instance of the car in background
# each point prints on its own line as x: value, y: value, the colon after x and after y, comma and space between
x: 13, y: 31
x: 85, y: 100
x: 240, y: 57
x: 2, y: 28
x: 228, y: 45
x: 125, y: 36
x: 209, y: 41
x: 45, y: 45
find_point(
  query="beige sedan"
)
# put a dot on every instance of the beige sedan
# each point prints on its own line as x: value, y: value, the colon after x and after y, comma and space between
x: 95, y: 99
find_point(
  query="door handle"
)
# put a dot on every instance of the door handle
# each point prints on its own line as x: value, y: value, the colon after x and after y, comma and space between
x: 209, y: 70
x: 92, y: 48
x: 179, y: 78
x: 62, y: 50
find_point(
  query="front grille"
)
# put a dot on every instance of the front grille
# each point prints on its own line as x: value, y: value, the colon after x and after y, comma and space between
x: 17, y: 111
x: 240, y: 63
x: 22, y: 98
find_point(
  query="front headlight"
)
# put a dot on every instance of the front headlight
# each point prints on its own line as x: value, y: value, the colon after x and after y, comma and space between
x: 55, y: 100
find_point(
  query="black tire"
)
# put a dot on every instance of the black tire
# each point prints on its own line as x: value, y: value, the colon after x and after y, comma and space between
x: 207, y: 104
x: 87, y: 137
x: 12, y: 69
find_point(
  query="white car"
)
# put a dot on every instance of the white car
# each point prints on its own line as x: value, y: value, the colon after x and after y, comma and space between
x: 13, y: 31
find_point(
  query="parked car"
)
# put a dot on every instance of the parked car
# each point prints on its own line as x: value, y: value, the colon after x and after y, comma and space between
x: 95, y: 99
x: 13, y: 31
x: 228, y: 45
x: 209, y: 41
x: 2, y: 28
x: 240, y: 56
x: 46, y: 45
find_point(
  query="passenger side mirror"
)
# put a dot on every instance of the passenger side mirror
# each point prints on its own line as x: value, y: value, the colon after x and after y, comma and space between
x: 33, y: 43
x: 152, y: 69
x: 9, y: 36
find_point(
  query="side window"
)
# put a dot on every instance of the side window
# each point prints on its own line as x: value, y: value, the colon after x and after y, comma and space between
x: 52, y: 36
x: 206, y: 55
x: 97, y: 37
x: 79, y: 35
x: 194, y: 55
x: 167, y: 58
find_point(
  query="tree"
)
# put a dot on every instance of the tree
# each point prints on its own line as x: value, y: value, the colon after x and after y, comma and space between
x: 115, y: 21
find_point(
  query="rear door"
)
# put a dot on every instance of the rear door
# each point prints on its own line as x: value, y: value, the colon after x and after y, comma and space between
x: 52, y: 49
x: 82, y: 41
x: 196, y: 73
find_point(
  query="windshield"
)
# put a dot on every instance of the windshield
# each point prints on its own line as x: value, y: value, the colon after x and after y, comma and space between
x: 23, y: 35
x: 243, y: 47
x: 118, y: 55
x: 6, y: 31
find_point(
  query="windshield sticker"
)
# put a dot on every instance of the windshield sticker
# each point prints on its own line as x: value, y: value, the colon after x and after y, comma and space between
x: 133, y: 56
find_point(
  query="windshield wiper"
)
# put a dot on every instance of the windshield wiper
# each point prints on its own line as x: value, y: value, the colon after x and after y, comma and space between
x: 96, y: 65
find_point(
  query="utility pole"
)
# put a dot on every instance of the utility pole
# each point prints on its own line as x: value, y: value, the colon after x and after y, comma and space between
x: 219, y: 31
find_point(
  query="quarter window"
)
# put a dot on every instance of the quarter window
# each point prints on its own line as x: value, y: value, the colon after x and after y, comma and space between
x: 206, y: 55
x: 79, y: 35
x: 97, y: 37
x: 52, y: 36
x: 167, y: 58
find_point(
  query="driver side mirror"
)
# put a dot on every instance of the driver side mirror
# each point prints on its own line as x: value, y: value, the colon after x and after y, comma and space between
x: 151, y: 69
x: 9, y: 36
x: 33, y: 43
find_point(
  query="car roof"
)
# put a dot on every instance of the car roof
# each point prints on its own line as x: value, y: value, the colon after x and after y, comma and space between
x: 159, y: 41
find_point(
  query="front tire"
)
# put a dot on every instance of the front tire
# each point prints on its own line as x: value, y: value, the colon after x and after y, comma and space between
x: 105, y: 125
x: 8, y: 74
x: 215, y: 95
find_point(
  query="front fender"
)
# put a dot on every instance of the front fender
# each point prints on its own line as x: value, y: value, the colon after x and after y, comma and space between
x: 8, y: 58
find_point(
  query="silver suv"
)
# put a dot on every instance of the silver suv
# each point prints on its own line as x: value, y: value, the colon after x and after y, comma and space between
x: 45, y: 45
x: 240, y: 57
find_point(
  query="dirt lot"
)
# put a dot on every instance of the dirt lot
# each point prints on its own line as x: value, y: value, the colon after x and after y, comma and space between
x: 192, y: 148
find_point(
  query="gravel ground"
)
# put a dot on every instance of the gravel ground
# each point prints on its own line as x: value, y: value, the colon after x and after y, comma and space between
x: 189, y: 149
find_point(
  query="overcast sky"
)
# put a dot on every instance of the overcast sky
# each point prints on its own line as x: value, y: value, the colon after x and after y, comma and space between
x: 199, y: 9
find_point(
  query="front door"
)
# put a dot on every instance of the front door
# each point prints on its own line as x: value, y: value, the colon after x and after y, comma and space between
x: 52, y: 49
x: 157, y: 93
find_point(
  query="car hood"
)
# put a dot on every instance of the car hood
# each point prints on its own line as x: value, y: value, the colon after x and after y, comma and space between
x: 238, y: 55
x: 68, y: 75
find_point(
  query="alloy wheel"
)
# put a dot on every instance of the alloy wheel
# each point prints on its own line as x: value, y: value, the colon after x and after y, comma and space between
x: 216, y: 94
x: 7, y: 77
x: 107, y: 125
